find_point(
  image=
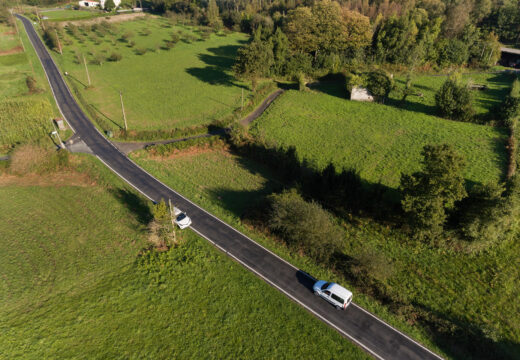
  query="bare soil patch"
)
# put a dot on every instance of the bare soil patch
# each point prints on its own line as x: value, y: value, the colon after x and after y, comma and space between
x: 191, y: 152
x: 15, y: 50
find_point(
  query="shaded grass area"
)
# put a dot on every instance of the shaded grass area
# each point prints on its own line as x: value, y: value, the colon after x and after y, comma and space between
x: 74, y: 284
x: 441, y: 298
x: 188, y: 85
x: 378, y: 141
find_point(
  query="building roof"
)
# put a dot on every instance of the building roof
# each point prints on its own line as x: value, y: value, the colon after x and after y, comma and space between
x: 510, y: 50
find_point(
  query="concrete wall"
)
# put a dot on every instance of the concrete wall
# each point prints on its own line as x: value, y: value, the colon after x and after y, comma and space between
x: 359, y: 93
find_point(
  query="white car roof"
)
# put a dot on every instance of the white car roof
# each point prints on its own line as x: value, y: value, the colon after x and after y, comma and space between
x: 340, y: 291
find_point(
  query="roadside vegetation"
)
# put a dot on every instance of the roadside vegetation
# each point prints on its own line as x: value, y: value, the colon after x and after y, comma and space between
x: 26, y: 102
x: 82, y: 278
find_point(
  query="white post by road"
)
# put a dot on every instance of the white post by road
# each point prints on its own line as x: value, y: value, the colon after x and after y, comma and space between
x: 123, y: 109
x: 55, y: 132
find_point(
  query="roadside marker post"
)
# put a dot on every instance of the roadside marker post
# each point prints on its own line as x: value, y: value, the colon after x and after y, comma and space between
x: 55, y: 132
x: 123, y: 108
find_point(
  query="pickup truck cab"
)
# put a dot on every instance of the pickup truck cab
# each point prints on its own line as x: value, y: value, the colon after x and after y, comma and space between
x: 336, y: 294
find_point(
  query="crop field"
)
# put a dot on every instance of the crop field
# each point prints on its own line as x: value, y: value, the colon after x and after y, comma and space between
x: 451, y: 288
x: 485, y: 101
x: 187, y: 85
x: 378, y: 141
x: 75, y: 286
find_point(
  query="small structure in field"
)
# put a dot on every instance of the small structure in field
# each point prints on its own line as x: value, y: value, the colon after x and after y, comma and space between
x: 359, y: 93
x: 61, y: 123
x: 89, y: 4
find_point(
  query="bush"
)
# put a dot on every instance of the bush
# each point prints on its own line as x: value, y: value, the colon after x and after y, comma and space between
x: 115, y: 56
x: 304, y: 225
x: 379, y: 83
x: 31, y: 85
x: 454, y: 101
x: 299, y: 63
x: 141, y: 51
x: 127, y: 35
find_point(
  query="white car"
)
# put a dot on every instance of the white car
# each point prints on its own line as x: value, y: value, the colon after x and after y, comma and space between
x: 336, y: 294
x: 181, y: 219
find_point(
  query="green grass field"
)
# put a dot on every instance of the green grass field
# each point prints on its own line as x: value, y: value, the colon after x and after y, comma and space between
x: 8, y: 39
x: 470, y: 293
x: 379, y: 141
x: 73, y: 285
x: 65, y: 15
x: 24, y: 116
x: 188, y: 85
x: 485, y: 101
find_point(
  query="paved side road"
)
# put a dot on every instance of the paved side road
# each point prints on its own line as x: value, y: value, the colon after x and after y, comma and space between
x: 373, y: 335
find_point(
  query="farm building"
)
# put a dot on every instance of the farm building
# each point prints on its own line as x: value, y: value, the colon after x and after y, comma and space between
x: 510, y: 57
x: 93, y: 4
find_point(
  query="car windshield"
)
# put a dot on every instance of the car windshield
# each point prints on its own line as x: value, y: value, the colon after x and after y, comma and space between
x: 181, y: 216
x: 326, y: 285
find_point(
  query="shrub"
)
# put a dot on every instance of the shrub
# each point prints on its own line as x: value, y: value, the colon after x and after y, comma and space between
x: 452, y: 51
x: 146, y: 32
x: 379, y: 83
x: 454, y: 101
x: 141, y: 51
x: 31, y: 85
x: 115, y: 56
x: 304, y: 225
x: 127, y: 35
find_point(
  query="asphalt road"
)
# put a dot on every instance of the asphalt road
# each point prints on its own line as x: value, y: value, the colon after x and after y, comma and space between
x: 367, y: 331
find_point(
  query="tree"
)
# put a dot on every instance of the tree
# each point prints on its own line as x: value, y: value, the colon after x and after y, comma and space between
x: 379, y: 83
x: 428, y: 194
x: 454, y: 101
x: 213, y: 17
x: 395, y: 38
x: 451, y: 52
x: 301, y: 30
x: 254, y: 60
x: 109, y: 5
x: 280, y: 51
x: 304, y: 225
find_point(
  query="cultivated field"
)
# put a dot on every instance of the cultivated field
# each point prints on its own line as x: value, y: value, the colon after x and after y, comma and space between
x: 379, y: 141
x: 187, y: 85
x: 74, y: 284
x: 452, y: 290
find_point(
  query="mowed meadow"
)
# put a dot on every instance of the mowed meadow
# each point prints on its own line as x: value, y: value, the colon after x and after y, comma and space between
x: 165, y: 83
x: 378, y: 141
x: 79, y: 282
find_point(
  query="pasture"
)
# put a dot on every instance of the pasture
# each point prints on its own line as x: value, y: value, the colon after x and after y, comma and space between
x: 378, y: 141
x: 69, y: 15
x: 163, y: 87
x: 440, y: 293
x: 76, y: 283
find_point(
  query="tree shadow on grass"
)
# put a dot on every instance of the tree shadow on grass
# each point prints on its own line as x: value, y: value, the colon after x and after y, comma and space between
x: 135, y: 204
x: 218, y: 66
x: 461, y: 338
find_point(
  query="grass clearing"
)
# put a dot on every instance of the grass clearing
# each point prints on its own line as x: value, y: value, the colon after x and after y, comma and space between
x: 24, y: 116
x: 475, y: 294
x: 188, y: 85
x: 378, y: 141
x: 9, y: 40
x: 74, y: 285
x: 65, y: 15
x: 485, y: 101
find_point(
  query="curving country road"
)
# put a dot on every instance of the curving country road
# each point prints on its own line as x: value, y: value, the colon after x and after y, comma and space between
x: 370, y: 333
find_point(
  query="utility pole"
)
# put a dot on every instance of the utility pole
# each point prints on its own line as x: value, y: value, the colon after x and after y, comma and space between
x: 86, y: 69
x: 123, y: 109
x: 55, y: 132
x: 172, y: 215
x: 59, y: 43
